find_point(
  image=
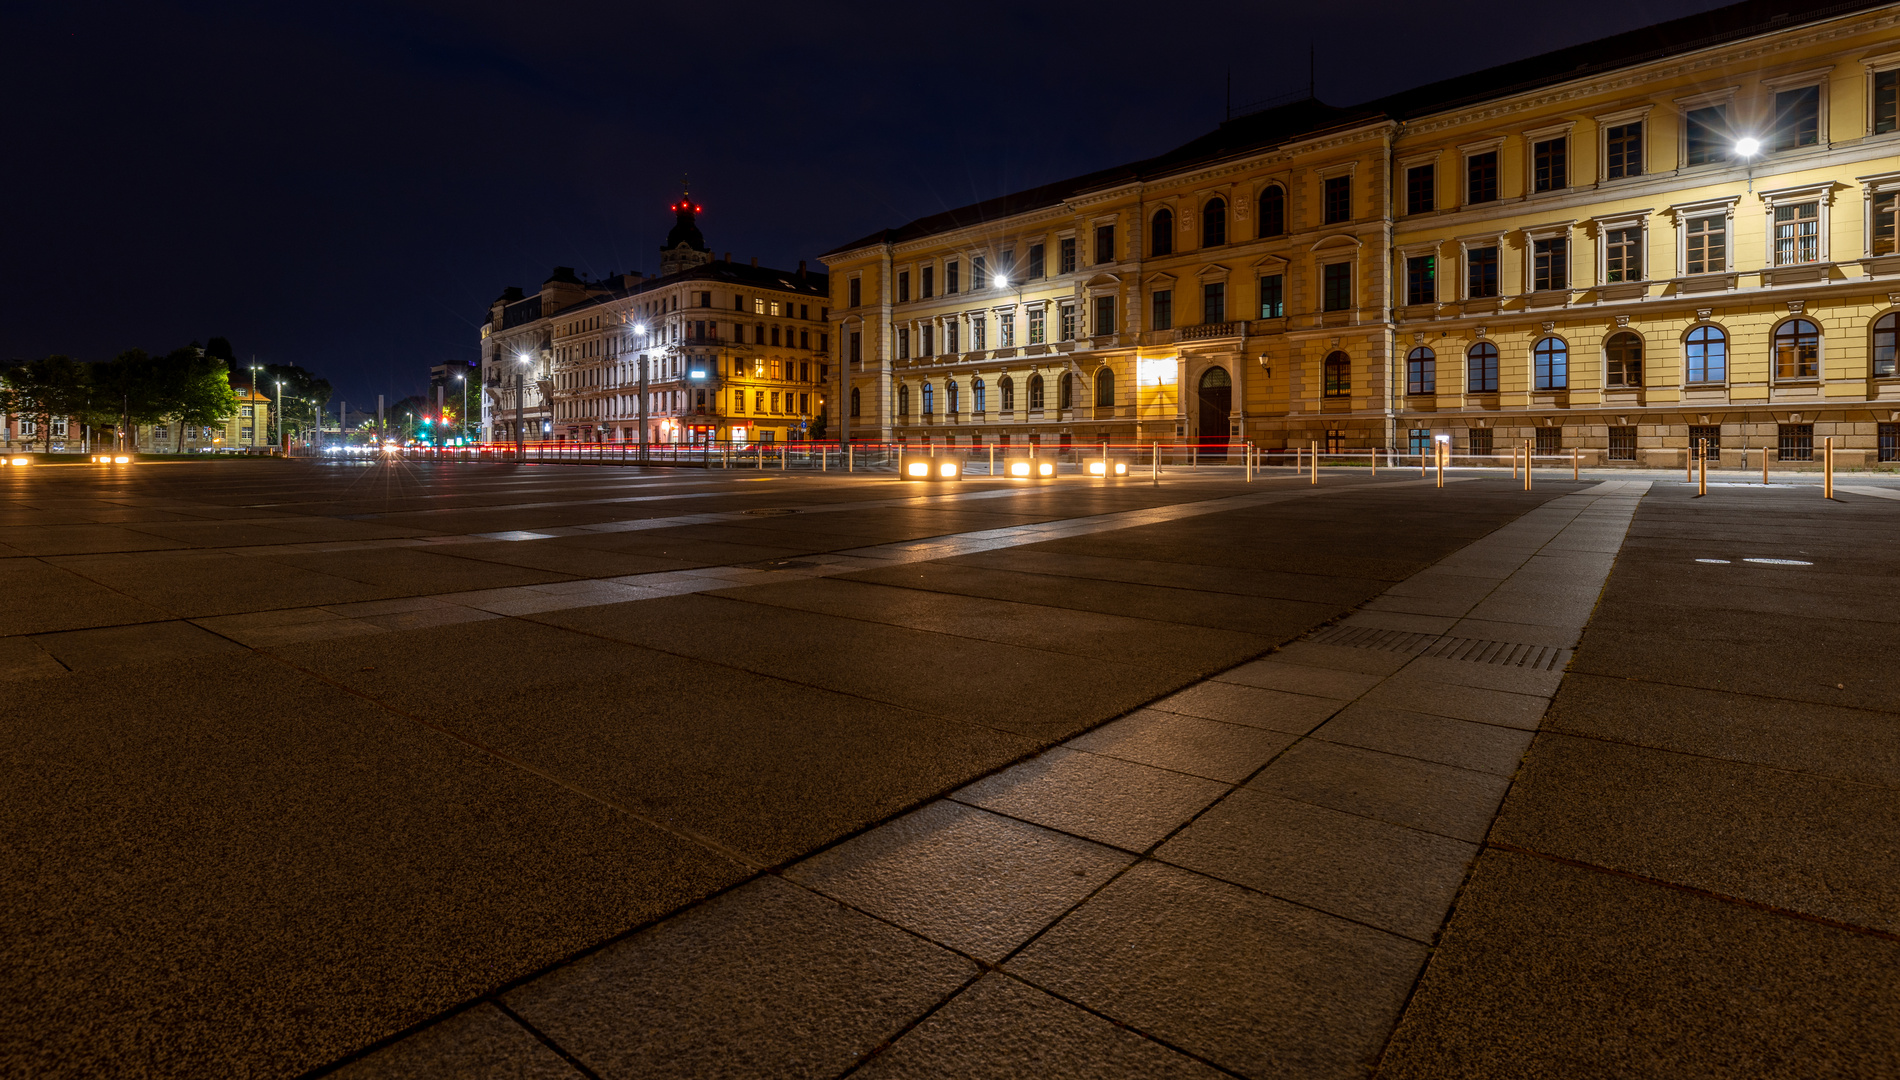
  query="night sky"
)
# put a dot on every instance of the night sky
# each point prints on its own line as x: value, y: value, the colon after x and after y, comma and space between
x: 347, y: 186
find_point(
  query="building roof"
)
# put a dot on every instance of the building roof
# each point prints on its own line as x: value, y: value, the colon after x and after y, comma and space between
x: 1284, y: 124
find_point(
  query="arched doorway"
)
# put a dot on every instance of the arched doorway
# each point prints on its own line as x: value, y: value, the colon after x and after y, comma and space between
x: 1217, y: 401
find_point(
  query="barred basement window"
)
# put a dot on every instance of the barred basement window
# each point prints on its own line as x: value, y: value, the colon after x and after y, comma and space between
x: 1890, y: 442
x: 1797, y: 233
x: 1796, y: 443
x: 1419, y: 441
x: 1710, y: 434
x: 1550, y: 440
x: 1622, y: 444
x: 1478, y: 441
x: 1335, y: 441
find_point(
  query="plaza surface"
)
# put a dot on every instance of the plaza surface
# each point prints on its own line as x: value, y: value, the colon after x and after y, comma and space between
x: 423, y: 769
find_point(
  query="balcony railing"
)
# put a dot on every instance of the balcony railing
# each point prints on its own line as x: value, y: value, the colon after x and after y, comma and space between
x: 1209, y: 330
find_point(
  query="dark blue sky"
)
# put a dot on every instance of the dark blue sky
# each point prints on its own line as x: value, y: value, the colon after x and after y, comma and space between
x: 346, y: 186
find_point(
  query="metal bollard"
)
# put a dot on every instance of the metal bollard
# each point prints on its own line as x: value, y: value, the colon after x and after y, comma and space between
x: 1764, y: 466
x: 1315, y: 453
x: 1702, y: 467
x: 1156, y: 475
x: 1527, y: 464
x: 1827, y: 467
x: 1573, y: 463
x: 1440, y: 454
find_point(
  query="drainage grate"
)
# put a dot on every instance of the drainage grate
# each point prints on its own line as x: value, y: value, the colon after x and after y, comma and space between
x: 1470, y: 650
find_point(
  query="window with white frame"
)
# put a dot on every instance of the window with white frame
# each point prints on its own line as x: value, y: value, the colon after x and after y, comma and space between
x: 1797, y: 236
x: 1006, y: 329
x: 979, y: 332
x: 1621, y: 144
x: 1481, y: 269
x: 1705, y: 355
x: 1623, y: 254
x: 1550, y: 263
x: 1884, y: 109
x: 1548, y: 156
x: 1623, y: 361
x: 1037, y: 333
x: 1800, y: 108
x: 1705, y: 239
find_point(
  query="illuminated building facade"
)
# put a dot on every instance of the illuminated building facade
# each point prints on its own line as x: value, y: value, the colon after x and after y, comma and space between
x: 1682, y: 233
x: 728, y: 352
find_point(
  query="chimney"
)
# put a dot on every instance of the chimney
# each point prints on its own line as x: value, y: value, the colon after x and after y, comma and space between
x: 728, y: 256
x: 801, y: 269
x: 755, y: 260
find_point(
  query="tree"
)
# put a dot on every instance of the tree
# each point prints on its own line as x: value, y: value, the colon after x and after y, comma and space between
x: 194, y: 389
x: 43, y: 389
x: 127, y: 389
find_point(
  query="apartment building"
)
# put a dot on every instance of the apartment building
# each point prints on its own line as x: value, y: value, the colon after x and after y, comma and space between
x: 1684, y: 233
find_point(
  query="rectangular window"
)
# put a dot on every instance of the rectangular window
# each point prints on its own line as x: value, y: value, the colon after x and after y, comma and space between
x: 1706, y: 245
x: 1550, y: 440
x: 1890, y: 442
x: 929, y: 281
x: 1798, y: 118
x: 1272, y: 297
x: 1005, y: 330
x: 1104, y: 315
x: 1549, y: 264
x: 824, y: 343
x: 1035, y: 262
x: 1478, y: 441
x: 929, y: 340
x: 1797, y: 233
x: 775, y: 407
x: 1623, y: 150
x: 856, y: 292
x: 1622, y: 444
x: 1164, y: 309
x: 1886, y: 103
x: 1421, y: 279
x: 1707, y: 135
x: 1214, y: 302
x: 1336, y: 288
x: 1481, y: 272
x: 1708, y: 438
x: 949, y: 279
x: 1104, y: 243
x: 903, y: 286
x: 1481, y: 177
x: 979, y: 274
x: 1885, y: 205
x: 1796, y: 443
x: 950, y: 336
x: 738, y: 401
x: 979, y: 332
x: 1420, y: 186
x: 1623, y: 255
x: 1066, y: 255
x: 857, y: 347
x: 903, y: 343
x: 1419, y: 441
x: 1068, y: 322
x: 1338, y: 199
x: 1038, y: 331
x: 758, y: 401
x: 1550, y: 165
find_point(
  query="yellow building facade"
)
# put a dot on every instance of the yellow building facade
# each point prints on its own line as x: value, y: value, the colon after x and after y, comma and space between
x: 1614, y: 250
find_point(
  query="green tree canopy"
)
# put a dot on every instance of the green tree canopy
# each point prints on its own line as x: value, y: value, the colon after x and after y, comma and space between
x: 57, y: 386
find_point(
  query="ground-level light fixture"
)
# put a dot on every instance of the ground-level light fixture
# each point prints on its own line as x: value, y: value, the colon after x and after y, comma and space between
x: 18, y: 461
x: 1114, y: 467
x: 924, y: 467
x: 1024, y: 468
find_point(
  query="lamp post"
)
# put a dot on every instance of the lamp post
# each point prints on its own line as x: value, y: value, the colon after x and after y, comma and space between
x: 278, y: 413
x: 1746, y: 148
x: 520, y: 436
x: 463, y: 379
x: 254, y: 370
x: 640, y: 331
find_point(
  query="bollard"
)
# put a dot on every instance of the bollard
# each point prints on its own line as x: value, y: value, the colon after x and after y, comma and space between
x: 850, y: 457
x: 1689, y: 460
x: 1156, y: 475
x: 1315, y: 453
x: 1764, y: 466
x: 1105, y: 463
x: 1702, y: 467
x: 1374, y: 455
x: 1573, y: 463
x: 1527, y: 464
x: 1424, y: 470
x: 1440, y: 455
x: 992, y: 459
x: 1827, y: 467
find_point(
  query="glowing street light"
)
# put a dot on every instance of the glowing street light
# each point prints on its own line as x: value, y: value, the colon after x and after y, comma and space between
x: 1747, y: 148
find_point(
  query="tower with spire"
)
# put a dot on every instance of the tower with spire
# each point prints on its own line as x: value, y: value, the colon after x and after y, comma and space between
x: 685, y: 248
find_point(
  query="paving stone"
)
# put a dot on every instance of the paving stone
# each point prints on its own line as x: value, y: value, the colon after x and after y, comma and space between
x: 1536, y: 682
x: 769, y: 980
x: 1102, y: 798
x: 1459, y: 702
x: 1365, y: 661
x: 1001, y: 1029
x: 1254, y: 984
x: 962, y: 877
x: 1486, y: 748
x: 20, y: 658
x: 1394, y: 878
x: 1549, y: 972
x: 1252, y: 706
x: 1187, y: 744
x: 479, y: 1042
x: 143, y: 643
x: 1404, y: 791
x: 1277, y: 674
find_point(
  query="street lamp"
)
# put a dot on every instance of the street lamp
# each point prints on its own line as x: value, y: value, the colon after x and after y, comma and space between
x: 520, y: 435
x: 1746, y: 148
x: 640, y: 331
x: 279, y: 414
x: 463, y: 379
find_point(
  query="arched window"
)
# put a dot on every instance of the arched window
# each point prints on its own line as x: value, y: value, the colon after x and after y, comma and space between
x: 1623, y: 360
x: 1338, y: 371
x: 1885, y: 330
x: 1065, y: 392
x: 1550, y: 363
x: 1421, y: 371
x: 1706, y: 353
x: 950, y: 397
x: 1105, y: 388
x: 1035, y: 391
x: 1161, y: 240
x: 1481, y: 369
x: 1008, y: 387
x: 977, y: 402
x: 1797, y: 350
x: 903, y: 400
x: 1272, y: 210
x: 930, y: 400
x: 854, y: 401
x: 1214, y: 223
